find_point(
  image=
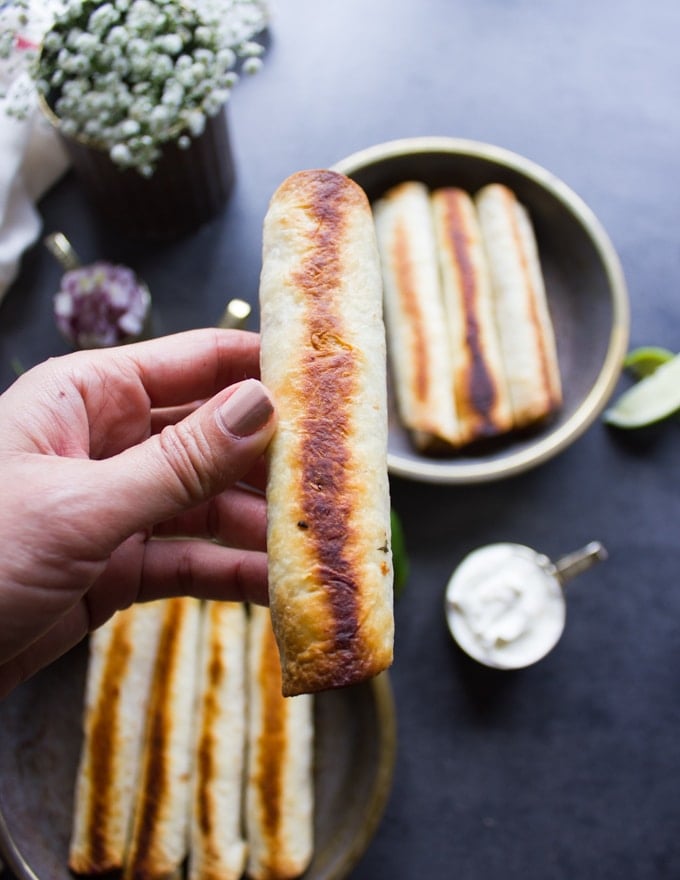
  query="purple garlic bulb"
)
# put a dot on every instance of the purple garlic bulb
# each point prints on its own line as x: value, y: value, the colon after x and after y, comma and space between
x: 101, y: 305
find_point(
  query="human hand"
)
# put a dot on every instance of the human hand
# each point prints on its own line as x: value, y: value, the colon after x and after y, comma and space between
x: 104, y: 455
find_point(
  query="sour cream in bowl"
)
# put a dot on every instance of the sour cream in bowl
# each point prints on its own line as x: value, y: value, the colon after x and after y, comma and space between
x: 505, y: 603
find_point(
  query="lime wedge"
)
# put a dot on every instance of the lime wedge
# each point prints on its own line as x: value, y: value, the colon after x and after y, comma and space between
x: 399, y: 556
x: 645, y: 360
x: 653, y: 398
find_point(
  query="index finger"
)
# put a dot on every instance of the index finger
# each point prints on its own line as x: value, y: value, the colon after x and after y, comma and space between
x: 195, y: 364
x: 188, y: 366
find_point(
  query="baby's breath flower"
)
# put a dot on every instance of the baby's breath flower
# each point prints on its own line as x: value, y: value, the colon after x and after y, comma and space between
x: 159, y: 118
x: 86, y: 44
x: 52, y: 41
x: 215, y: 100
x: 137, y: 47
x: 204, y: 36
x: 121, y: 154
x: 252, y: 65
x: 77, y: 85
x: 204, y: 56
x: 140, y: 109
x: 74, y: 88
x: 184, y: 62
x: 76, y: 64
x: 117, y: 36
x: 69, y: 127
x: 130, y: 75
x: 173, y: 93
x: 195, y: 122
x: 106, y: 82
x: 226, y: 58
x: 186, y: 77
x: 162, y: 68
x: 72, y: 38
x: 129, y: 128
x: 169, y: 43
x: 251, y: 48
x: 140, y: 67
x: 91, y: 127
x: 74, y: 11
x: 103, y: 18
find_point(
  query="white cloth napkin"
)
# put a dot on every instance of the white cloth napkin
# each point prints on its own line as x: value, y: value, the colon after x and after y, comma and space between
x: 31, y: 156
x: 31, y: 160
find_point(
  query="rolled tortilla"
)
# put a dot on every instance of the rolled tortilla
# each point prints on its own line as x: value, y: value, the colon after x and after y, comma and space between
x: 481, y: 393
x: 161, y: 816
x: 120, y: 671
x: 217, y: 847
x: 279, y: 790
x: 419, y: 345
x: 323, y: 358
x: 523, y: 318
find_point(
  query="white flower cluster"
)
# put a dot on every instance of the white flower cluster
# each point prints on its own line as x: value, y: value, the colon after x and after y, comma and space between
x: 130, y: 75
x: 17, y: 54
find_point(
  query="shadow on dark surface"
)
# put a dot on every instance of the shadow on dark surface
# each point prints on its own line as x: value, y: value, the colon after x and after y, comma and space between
x: 642, y: 442
x: 487, y: 691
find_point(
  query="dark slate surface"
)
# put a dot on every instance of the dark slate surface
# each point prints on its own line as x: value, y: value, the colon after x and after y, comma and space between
x: 570, y: 768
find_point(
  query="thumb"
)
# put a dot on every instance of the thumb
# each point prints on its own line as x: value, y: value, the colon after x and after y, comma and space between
x: 191, y: 461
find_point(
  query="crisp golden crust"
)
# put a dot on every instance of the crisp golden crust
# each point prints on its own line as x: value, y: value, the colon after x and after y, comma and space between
x: 323, y: 358
x: 406, y: 280
x: 122, y: 654
x: 524, y: 324
x: 104, y: 855
x: 217, y: 847
x: 415, y: 316
x: 481, y: 394
x: 160, y: 826
x: 279, y: 790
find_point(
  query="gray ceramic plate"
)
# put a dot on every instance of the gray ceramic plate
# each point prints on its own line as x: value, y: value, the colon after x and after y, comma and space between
x: 584, y: 281
x: 40, y: 742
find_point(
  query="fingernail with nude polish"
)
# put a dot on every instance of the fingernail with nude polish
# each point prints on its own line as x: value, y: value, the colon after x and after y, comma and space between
x: 247, y: 410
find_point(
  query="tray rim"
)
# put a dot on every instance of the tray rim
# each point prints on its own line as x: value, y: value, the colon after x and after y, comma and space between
x: 386, y: 724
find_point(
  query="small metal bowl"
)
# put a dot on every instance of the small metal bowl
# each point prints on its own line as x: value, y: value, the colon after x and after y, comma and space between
x: 585, y: 287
